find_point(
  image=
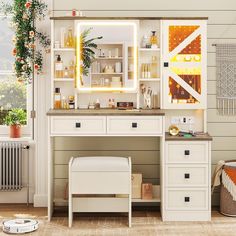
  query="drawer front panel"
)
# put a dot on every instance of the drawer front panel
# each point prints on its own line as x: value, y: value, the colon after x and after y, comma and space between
x: 134, y: 125
x: 187, y: 152
x: 186, y: 176
x: 193, y: 199
x: 84, y: 125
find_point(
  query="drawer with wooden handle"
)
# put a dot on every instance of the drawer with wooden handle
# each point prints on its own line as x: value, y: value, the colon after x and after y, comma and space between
x: 186, y: 152
x: 134, y: 125
x: 187, y: 176
x: 187, y: 199
x: 83, y: 125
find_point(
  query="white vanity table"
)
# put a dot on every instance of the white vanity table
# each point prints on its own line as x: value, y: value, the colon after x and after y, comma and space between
x: 180, y: 84
x: 103, y: 123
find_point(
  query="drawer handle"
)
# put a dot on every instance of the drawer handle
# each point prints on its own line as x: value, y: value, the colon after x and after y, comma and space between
x: 186, y: 152
x: 77, y: 125
x: 187, y: 176
x: 187, y: 199
x: 134, y: 125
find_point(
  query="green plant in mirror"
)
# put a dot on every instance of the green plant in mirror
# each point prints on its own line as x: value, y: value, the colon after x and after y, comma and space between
x: 87, y: 54
x: 16, y: 116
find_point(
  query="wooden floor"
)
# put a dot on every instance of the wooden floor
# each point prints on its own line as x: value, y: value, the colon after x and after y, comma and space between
x: 146, y: 223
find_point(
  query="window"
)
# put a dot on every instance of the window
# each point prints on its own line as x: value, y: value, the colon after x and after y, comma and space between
x: 13, y: 94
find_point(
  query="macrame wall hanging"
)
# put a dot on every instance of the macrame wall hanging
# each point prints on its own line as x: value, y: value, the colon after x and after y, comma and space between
x: 226, y: 78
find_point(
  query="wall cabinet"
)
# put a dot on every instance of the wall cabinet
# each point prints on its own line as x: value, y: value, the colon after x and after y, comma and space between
x: 184, y: 64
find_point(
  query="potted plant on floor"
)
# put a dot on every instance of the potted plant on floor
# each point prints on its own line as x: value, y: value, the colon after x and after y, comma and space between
x: 15, y: 119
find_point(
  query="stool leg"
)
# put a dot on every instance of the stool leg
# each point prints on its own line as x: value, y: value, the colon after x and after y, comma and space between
x: 130, y: 211
x: 70, y: 211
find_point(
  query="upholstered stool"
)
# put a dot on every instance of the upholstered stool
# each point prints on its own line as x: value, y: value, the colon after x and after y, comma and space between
x: 95, y: 182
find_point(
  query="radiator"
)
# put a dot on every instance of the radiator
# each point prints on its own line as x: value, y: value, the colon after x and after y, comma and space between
x: 11, y: 166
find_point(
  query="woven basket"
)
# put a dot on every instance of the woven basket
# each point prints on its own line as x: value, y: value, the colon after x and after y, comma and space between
x: 227, y: 204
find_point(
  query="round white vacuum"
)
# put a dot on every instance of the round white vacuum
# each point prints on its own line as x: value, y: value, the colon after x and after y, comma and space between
x: 20, y: 226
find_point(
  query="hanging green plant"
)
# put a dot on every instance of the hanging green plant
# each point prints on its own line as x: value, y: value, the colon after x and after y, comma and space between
x: 28, y: 58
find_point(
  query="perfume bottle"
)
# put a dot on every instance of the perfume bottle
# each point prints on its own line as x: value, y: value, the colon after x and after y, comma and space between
x: 154, y: 67
x: 153, y: 40
x: 66, y: 73
x: 70, y: 39
x: 58, y: 67
x: 57, y: 98
x: 72, y: 69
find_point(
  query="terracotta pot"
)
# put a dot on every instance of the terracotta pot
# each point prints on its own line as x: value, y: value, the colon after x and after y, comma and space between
x: 15, y: 131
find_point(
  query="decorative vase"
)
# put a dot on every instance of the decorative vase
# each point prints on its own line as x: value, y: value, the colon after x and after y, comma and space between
x: 15, y: 131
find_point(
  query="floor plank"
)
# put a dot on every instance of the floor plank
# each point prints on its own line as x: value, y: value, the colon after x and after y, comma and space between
x: 145, y: 222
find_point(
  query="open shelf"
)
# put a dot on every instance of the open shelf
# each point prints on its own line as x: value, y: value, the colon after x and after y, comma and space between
x: 146, y: 200
x: 108, y: 58
x: 149, y: 49
x: 106, y: 73
x: 61, y: 201
x: 64, y: 49
x: 150, y: 79
x: 64, y: 80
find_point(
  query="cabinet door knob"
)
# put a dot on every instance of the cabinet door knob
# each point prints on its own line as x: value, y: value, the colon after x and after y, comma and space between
x: 77, y: 125
x: 187, y: 176
x: 186, y: 152
x: 166, y: 64
x: 134, y: 125
x: 187, y: 199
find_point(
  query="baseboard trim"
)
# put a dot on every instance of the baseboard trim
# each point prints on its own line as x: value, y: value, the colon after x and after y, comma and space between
x: 40, y: 200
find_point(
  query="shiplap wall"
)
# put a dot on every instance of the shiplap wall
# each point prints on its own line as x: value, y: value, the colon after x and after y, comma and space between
x: 221, y: 29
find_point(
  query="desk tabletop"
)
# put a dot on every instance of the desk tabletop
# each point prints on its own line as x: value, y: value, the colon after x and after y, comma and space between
x: 105, y: 112
x: 203, y: 137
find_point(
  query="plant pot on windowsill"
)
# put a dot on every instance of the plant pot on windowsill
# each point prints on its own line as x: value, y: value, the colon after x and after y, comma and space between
x: 15, y: 119
x: 15, y: 131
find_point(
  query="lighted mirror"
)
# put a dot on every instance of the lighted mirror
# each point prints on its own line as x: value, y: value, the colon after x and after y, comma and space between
x: 106, y: 55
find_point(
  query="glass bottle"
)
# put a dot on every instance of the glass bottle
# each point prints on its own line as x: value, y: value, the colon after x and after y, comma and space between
x: 153, y: 39
x: 66, y: 73
x: 57, y: 98
x: 70, y: 39
x: 72, y: 69
x: 58, y: 67
x: 154, y: 67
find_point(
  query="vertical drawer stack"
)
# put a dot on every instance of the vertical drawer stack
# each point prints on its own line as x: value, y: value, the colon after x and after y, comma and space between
x: 186, y: 180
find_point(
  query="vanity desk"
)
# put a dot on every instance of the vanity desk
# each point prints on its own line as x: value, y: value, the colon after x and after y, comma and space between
x: 148, y: 62
x: 102, y: 123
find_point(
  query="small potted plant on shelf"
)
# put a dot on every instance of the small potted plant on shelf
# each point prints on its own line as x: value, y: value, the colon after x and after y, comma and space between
x: 15, y: 119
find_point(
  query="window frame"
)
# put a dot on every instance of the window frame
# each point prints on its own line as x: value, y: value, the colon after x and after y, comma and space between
x: 27, y: 129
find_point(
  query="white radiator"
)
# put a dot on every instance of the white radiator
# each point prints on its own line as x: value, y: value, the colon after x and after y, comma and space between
x: 11, y: 166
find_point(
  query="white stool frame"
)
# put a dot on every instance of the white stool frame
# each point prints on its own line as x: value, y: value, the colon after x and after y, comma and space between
x: 88, y: 183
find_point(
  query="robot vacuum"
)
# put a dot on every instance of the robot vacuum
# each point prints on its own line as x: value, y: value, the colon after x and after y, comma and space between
x: 20, y: 226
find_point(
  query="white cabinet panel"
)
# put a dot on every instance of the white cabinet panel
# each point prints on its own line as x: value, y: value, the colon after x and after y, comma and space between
x: 185, y: 176
x: 134, y: 125
x: 187, y: 199
x: 187, y: 152
x: 83, y: 125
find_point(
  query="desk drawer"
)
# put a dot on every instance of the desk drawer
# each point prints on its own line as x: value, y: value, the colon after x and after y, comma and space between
x: 83, y: 125
x: 187, y: 176
x: 194, y: 199
x: 134, y: 125
x: 187, y: 152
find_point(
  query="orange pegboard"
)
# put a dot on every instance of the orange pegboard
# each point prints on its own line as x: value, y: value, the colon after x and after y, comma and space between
x: 177, y: 34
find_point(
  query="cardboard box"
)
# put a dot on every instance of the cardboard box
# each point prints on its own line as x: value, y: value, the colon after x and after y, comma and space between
x: 137, y: 179
x: 147, y: 191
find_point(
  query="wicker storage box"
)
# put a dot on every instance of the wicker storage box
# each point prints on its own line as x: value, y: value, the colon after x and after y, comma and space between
x: 227, y: 204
